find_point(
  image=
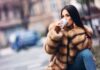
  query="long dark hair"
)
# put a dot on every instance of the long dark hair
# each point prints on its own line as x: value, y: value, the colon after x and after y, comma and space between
x: 75, y: 16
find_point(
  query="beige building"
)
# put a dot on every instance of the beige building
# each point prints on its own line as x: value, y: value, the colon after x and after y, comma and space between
x: 40, y: 13
x: 46, y: 11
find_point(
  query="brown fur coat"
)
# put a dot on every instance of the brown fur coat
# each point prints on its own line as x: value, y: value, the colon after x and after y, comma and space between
x: 63, y: 51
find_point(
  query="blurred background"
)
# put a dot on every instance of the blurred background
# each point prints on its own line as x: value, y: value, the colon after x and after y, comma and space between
x: 23, y: 29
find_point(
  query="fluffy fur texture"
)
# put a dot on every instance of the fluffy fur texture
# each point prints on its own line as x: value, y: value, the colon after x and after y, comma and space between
x: 63, y: 50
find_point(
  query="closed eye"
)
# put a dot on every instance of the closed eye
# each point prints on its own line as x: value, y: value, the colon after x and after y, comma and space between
x: 67, y: 15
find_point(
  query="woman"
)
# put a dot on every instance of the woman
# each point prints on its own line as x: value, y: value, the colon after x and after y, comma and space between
x: 69, y: 46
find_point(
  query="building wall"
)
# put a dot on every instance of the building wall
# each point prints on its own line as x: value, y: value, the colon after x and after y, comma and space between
x: 3, y: 41
x: 46, y: 11
x: 43, y: 12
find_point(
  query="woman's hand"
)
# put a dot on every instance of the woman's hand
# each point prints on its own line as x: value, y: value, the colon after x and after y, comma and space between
x: 57, y: 29
x: 58, y: 26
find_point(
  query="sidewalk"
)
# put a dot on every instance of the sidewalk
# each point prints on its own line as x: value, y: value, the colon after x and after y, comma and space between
x: 6, y: 51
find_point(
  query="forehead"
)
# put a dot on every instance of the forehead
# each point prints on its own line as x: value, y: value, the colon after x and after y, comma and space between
x: 64, y: 12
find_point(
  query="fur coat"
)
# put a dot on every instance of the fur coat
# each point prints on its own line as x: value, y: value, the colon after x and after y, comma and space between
x: 63, y: 46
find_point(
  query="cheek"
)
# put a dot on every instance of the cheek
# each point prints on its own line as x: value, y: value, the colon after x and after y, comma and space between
x: 69, y: 20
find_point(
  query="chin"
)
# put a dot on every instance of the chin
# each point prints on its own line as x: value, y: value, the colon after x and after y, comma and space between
x: 68, y: 25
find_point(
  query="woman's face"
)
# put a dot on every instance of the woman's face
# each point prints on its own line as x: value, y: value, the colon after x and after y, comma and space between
x: 67, y: 16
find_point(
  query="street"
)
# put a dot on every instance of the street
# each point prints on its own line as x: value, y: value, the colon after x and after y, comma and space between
x: 32, y: 59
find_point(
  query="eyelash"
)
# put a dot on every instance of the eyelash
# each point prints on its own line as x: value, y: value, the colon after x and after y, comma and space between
x: 67, y: 15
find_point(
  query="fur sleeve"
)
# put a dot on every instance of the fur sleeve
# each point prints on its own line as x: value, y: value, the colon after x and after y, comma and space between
x: 52, y: 40
x: 53, y: 34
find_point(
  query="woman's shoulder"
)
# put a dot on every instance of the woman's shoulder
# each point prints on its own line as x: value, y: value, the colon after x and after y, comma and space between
x: 79, y: 30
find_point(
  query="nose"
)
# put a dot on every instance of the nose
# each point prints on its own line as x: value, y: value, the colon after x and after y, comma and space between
x: 63, y: 18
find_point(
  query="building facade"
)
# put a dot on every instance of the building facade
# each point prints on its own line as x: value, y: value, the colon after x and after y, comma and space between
x: 39, y: 13
x: 16, y: 15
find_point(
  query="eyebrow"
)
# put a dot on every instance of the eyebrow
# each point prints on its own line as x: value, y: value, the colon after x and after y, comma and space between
x: 66, y: 15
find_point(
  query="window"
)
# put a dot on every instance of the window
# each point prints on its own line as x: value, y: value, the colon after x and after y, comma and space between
x: 31, y: 8
x: 42, y: 6
x: 64, y: 2
x: 53, y: 5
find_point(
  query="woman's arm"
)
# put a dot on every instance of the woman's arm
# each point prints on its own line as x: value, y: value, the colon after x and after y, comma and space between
x: 52, y: 40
